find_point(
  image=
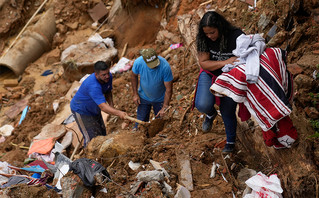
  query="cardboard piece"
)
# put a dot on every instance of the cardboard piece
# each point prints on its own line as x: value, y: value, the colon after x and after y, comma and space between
x: 98, y: 11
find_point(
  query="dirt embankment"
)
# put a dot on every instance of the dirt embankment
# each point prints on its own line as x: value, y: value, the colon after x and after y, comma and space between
x: 142, y: 24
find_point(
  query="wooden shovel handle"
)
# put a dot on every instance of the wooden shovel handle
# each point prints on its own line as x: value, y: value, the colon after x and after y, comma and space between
x: 136, y: 120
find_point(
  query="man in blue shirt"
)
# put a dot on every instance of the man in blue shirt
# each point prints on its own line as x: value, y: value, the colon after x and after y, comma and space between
x: 91, y: 99
x: 156, y: 82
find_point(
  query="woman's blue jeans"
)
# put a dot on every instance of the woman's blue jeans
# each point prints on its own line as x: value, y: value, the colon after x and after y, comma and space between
x: 205, y: 101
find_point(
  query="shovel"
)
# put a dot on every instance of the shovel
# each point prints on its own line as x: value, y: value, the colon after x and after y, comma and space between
x: 136, y: 120
x: 142, y: 122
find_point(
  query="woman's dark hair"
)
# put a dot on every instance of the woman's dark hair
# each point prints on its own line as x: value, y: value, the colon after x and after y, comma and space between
x: 215, y: 20
x: 101, y: 66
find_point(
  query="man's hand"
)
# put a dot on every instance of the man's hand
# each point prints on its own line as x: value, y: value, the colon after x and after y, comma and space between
x: 162, y: 112
x: 122, y: 114
x: 136, y: 99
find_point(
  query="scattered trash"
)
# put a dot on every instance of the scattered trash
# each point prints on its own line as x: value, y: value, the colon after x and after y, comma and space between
x: 182, y: 192
x: 315, y: 74
x: 221, y: 173
x: 69, y: 119
x: 4, y: 169
x: 264, y: 186
x: 87, y: 169
x: 103, y: 190
x: 36, y: 168
x: 15, y: 180
x: 271, y: 33
x: 67, y: 140
x: 232, y: 166
x: 41, y: 146
x: 57, y: 148
x: 98, y: 40
x: 63, y: 170
x: 24, y: 113
x: 158, y: 166
x: 55, y: 105
x: 213, y: 171
x: 167, y: 188
x: 175, y: 46
x: 134, y: 166
x: 123, y: 65
x: 147, y: 176
x: 171, y: 47
x: 6, y: 130
x: 38, y: 163
x: 47, y: 72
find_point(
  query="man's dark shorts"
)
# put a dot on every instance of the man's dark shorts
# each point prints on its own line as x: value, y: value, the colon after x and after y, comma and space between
x: 90, y: 126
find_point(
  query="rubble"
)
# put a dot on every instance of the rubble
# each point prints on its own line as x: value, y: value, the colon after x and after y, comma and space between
x: 176, y: 152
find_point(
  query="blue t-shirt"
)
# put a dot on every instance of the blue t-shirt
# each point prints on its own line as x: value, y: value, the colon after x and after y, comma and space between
x: 90, y: 95
x: 152, y: 86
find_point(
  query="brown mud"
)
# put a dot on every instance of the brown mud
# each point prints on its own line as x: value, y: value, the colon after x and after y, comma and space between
x: 137, y: 25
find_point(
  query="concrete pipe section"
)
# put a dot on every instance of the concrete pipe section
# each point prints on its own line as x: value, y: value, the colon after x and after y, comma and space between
x: 33, y: 43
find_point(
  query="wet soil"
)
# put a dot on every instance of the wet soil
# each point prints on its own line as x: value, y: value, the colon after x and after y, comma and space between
x: 137, y: 25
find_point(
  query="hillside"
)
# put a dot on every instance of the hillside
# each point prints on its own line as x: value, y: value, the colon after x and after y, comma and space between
x: 138, y: 24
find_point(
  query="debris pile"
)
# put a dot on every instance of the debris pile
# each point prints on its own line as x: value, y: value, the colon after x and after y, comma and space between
x: 41, y: 153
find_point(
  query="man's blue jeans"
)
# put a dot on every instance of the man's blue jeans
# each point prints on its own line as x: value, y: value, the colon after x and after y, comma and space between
x: 144, y: 110
x: 205, y: 101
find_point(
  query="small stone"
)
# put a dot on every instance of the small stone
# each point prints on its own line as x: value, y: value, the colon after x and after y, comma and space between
x: 16, y: 96
x: 107, y: 33
x: 73, y: 26
x: 316, y: 52
x: 124, y: 125
x: 294, y: 69
x: 53, y: 56
x: 315, y: 46
x: 312, y: 112
x: 3, y: 90
x: 10, y: 82
x: 62, y: 28
x: 304, y: 82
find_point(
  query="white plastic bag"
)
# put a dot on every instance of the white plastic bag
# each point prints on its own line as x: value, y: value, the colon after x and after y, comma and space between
x: 123, y: 65
x: 6, y: 130
x: 264, y: 186
x: 96, y: 38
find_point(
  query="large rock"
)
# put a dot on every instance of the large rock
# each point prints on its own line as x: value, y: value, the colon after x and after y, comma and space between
x: 79, y: 59
x: 51, y: 130
x: 113, y: 145
x: 304, y: 82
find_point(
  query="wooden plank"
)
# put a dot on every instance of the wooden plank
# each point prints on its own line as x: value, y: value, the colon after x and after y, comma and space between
x: 186, y: 178
x: 17, y: 108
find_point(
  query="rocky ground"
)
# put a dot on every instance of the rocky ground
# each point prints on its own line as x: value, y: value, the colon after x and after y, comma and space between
x: 140, y: 24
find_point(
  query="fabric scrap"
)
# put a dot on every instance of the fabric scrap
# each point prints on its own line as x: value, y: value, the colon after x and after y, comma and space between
x: 42, y: 146
x: 15, y: 180
x: 37, y: 169
x: 86, y: 169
